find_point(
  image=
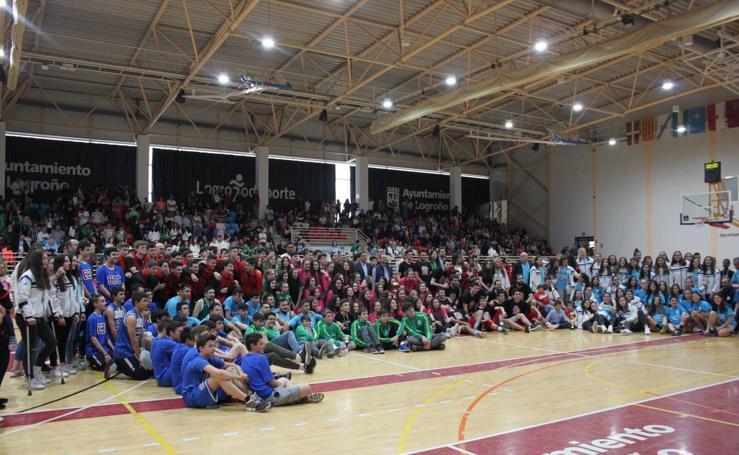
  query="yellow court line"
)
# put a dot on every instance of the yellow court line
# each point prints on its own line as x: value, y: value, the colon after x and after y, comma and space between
x: 145, y: 424
x: 689, y: 415
x: 412, y: 419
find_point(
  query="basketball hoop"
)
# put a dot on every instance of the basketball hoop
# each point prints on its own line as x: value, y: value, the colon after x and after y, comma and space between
x: 700, y: 221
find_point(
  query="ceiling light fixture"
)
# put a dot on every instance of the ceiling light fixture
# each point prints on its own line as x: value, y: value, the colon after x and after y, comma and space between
x: 668, y: 85
x: 509, y: 124
x: 611, y: 141
x: 268, y: 42
x: 223, y: 79
x: 451, y: 81
x: 577, y: 107
x: 681, y: 129
x: 541, y: 45
x: 387, y: 103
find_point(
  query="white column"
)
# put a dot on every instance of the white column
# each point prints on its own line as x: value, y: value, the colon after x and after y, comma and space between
x: 143, y: 170
x: 361, y: 183
x: 262, y: 179
x: 497, y: 185
x: 3, y: 158
x: 455, y: 189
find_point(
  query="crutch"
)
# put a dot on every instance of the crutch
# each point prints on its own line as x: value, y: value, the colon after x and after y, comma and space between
x: 28, y: 359
x: 58, y: 358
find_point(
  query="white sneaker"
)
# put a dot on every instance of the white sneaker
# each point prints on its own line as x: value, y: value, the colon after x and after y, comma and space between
x: 69, y: 369
x: 36, y: 384
x: 626, y: 332
x: 58, y: 372
x: 646, y: 330
x: 40, y: 376
x: 610, y: 329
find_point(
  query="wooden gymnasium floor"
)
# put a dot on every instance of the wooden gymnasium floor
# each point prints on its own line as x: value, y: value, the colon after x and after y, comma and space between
x: 542, y: 393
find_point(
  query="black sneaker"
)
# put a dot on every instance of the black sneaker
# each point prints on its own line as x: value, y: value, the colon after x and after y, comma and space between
x: 307, y: 350
x: 310, y: 366
x: 442, y: 346
x: 315, y: 397
x: 527, y: 329
x: 256, y: 404
x: 325, y: 349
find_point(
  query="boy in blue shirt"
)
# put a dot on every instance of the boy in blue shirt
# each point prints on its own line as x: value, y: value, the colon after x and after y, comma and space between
x: 162, y: 349
x: 183, y: 311
x: 115, y: 312
x: 85, y: 249
x: 277, y: 392
x: 232, y: 302
x: 99, y: 345
x: 109, y: 275
x: 184, y: 294
x: 130, y: 343
x: 207, y: 380
x: 242, y: 319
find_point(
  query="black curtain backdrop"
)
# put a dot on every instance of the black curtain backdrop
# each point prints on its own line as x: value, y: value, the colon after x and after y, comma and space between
x: 179, y: 173
x: 475, y: 194
x: 291, y: 182
x: 51, y: 168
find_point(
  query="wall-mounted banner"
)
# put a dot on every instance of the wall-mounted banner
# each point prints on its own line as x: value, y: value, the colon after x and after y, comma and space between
x: 49, y: 168
x: 427, y: 192
x: 180, y: 173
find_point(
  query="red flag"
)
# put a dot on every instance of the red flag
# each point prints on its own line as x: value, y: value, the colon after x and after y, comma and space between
x: 711, y: 117
x: 732, y: 113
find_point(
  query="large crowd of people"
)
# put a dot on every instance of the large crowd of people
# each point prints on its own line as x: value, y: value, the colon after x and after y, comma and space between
x: 205, y: 300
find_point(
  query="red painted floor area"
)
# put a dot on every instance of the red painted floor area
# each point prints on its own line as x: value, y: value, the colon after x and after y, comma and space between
x: 701, y: 421
x: 103, y: 410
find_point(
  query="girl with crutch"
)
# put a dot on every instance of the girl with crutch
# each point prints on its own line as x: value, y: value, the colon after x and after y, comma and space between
x: 33, y: 302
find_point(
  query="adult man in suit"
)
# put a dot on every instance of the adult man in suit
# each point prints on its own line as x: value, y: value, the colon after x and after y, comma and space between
x: 363, y: 266
x: 382, y: 270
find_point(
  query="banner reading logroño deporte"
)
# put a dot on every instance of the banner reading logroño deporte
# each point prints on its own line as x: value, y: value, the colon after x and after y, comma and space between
x: 180, y: 173
x: 50, y: 168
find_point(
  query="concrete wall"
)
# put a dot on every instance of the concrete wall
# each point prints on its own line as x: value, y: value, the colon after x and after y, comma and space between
x: 630, y: 196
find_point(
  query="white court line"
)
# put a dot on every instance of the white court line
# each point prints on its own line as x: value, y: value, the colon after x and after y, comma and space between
x: 151, y: 444
x: 233, y: 433
x: 461, y: 450
x: 564, y: 419
x: 107, y: 450
x: 267, y: 429
x: 389, y: 362
x: 300, y: 424
x: 196, y: 438
x: 74, y: 411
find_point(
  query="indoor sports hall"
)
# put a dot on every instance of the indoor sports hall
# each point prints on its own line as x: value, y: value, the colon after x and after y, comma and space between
x: 380, y: 226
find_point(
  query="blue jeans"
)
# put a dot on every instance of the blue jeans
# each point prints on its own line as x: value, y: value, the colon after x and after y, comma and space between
x: 288, y: 341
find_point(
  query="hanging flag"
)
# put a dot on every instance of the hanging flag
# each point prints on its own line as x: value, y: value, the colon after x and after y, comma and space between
x: 694, y: 120
x: 648, y: 129
x: 664, y: 123
x: 720, y: 116
x: 675, y: 120
x: 711, y: 117
x: 731, y: 110
x: 632, y: 132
